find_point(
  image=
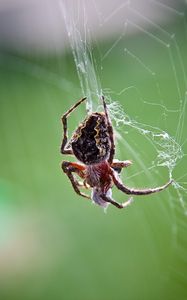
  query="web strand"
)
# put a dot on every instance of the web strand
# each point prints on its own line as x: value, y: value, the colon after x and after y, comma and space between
x: 167, y: 146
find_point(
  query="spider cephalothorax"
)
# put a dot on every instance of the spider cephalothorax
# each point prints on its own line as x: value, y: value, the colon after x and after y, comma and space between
x: 93, y: 145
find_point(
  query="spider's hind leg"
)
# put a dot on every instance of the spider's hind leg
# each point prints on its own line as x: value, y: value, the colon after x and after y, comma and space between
x: 110, y: 131
x: 65, y: 147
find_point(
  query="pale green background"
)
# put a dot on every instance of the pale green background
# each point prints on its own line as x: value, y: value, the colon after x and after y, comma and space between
x: 56, y: 245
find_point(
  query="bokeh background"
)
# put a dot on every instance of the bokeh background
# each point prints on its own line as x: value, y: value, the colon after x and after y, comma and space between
x: 54, y: 244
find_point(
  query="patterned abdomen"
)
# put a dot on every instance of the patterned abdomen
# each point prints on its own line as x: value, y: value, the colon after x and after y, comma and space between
x: 90, y: 142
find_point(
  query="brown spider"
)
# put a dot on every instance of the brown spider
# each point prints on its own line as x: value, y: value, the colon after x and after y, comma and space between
x: 93, y: 145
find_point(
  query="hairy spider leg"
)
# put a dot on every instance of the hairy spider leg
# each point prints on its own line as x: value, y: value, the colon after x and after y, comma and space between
x: 132, y: 191
x: 69, y: 168
x: 79, y: 169
x: 115, y: 203
x: 64, y: 146
x: 110, y: 131
x: 118, y: 165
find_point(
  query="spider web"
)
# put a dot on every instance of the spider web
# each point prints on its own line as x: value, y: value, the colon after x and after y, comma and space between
x: 168, y: 146
x: 164, y: 133
x: 151, y: 117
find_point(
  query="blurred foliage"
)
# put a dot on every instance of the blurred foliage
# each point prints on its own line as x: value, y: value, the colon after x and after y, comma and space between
x: 54, y: 244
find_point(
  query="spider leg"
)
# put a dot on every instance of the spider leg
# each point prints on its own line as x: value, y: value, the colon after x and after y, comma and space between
x: 132, y: 191
x: 65, y: 148
x: 69, y: 168
x: 82, y: 184
x: 119, y: 165
x: 110, y: 131
x: 115, y: 203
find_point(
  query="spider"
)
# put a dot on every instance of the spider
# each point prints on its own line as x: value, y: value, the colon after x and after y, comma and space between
x: 93, y: 145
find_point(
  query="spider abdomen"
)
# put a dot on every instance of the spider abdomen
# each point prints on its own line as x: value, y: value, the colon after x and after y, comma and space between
x: 90, y: 142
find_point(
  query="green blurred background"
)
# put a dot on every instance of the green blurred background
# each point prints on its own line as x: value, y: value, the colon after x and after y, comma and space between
x: 56, y: 245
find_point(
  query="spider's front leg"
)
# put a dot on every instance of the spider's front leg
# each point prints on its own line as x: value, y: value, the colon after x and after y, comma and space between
x: 115, y: 203
x: 69, y: 168
x: 65, y: 148
x: 132, y: 191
